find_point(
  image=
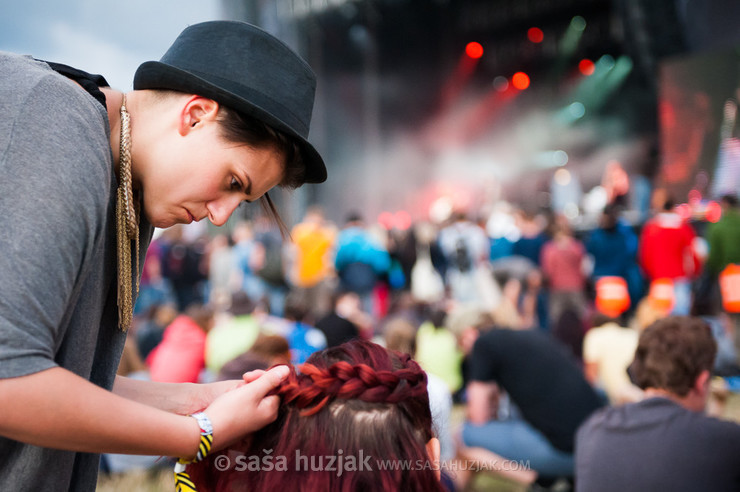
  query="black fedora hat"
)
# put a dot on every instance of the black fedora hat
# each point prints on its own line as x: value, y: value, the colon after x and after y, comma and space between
x: 246, y: 69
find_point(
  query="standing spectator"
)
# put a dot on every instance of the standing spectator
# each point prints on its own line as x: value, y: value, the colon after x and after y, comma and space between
x: 664, y: 442
x: 220, y: 270
x: 613, y: 248
x: 562, y: 265
x: 269, y: 266
x: 466, y: 248
x: 311, y: 252
x: 182, y: 266
x: 666, y: 251
x: 724, y: 237
x: 533, y: 237
x: 360, y: 260
x: 244, y: 261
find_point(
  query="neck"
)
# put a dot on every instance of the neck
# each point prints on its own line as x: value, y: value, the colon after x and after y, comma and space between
x: 113, y: 101
x: 690, y: 401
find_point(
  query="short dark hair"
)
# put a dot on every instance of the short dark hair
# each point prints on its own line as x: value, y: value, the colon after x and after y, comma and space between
x: 672, y: 353
x: 239, y: 127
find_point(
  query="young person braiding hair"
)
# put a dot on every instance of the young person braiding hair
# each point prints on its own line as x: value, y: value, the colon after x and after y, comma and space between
x: 86, y: 174
x: 357, y: 402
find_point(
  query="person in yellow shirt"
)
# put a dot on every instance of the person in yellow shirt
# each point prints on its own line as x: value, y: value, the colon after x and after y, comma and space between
x: 311, y: 268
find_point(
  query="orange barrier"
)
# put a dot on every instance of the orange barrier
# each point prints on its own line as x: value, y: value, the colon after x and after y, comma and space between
x: 612, y: 296
x: 661, y: 295
x: 729, y: 286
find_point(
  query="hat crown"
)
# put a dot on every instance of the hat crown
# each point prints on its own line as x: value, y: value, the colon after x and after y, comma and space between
x: 243, y: 57
x: 246, y: 69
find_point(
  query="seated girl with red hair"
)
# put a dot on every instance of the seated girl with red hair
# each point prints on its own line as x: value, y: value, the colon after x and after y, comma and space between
x: 354, y: 417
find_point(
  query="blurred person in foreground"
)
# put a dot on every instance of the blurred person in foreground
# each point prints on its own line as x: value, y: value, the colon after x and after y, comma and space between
x: 664, y: 442
x: 355, y: 418
x: 86, y: 174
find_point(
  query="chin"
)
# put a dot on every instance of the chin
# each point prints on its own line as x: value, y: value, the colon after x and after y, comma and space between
x: 163, y: 222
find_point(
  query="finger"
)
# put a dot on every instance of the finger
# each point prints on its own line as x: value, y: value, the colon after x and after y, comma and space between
x: 269, y: 407
x: 269, y: 380
x: 250, y: 376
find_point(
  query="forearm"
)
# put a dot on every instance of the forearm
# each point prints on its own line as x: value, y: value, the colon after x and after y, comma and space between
x: 57, y: 409
x: 482, y: 404
x: 181, y: 398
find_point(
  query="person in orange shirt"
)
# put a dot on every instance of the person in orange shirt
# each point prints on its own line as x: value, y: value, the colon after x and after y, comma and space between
x: 311, y: 268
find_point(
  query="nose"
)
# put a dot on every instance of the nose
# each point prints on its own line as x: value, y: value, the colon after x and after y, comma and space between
x: 221, y: 209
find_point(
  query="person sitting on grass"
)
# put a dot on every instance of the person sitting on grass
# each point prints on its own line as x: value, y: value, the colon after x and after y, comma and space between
x: 665, y: 441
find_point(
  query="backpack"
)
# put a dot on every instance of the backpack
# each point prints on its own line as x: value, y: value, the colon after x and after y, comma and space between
x: 272, y: 270
x: 461, y: 258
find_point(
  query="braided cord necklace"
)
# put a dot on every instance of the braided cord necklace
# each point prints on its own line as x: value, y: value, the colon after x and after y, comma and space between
x: 127, y: 227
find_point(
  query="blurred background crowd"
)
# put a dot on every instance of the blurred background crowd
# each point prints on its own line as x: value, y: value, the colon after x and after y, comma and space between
x: 215, y: 303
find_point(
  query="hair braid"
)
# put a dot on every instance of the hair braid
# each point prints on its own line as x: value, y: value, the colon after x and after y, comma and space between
x: 314, y: 387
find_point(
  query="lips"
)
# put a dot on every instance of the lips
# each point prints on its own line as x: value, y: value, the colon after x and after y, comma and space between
x: 191, y: 218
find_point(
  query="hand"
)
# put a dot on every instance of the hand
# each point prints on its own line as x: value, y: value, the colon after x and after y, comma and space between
x: 246, y: 408
x: 202, y: 395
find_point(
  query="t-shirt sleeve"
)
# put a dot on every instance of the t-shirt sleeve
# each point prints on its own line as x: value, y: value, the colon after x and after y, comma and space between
x: 483, y: 360
x: 53, y: 159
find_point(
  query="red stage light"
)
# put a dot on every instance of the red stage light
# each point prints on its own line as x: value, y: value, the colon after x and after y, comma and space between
x: 535, y: 34
x: 474, y: 50
x: 684, y: 210
x: 586, y: 66
x: 520, y: 80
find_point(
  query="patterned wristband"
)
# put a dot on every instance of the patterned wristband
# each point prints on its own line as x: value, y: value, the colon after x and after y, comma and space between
x: 206, y: 435
x: 183, y: 482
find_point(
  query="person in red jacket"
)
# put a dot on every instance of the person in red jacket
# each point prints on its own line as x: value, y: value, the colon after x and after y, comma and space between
x: 667, y: 250
x: 180, y: 357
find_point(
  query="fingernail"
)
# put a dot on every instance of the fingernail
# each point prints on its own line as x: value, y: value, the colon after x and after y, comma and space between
x: 281, y: 371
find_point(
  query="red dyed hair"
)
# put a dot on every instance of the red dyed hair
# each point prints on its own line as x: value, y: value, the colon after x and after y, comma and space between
x: 359, y: 398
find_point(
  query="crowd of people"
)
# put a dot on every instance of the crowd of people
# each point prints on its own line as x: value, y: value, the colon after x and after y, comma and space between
x: 532, y: 331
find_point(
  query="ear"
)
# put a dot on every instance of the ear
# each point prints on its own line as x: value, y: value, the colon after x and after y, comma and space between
x: 197, y: 110
x: 433, y: 452
x: 701, y: 385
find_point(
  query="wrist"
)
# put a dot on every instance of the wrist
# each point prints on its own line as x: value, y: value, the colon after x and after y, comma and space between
x: 205, y: 442
x: 191, y: 439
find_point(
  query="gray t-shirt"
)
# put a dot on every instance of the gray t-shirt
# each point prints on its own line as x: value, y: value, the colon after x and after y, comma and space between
x: 57, y: 253
x: 656, y: 444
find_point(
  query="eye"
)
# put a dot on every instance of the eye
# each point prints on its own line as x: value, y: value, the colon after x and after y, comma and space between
x: 235, y: 185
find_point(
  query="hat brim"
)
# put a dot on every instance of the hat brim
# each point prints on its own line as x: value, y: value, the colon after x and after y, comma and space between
x: 157, y: 75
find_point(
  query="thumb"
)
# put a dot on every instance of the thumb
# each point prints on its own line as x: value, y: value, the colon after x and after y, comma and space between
x: 269, y: 380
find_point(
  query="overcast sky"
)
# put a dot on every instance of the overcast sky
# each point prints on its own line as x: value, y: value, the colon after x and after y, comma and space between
x: 108, y: 37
